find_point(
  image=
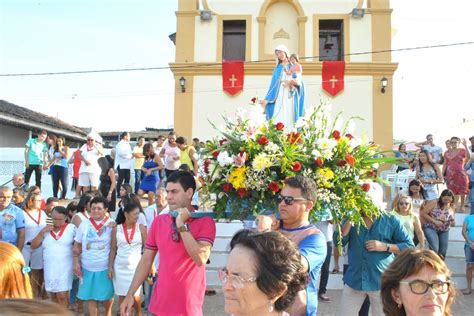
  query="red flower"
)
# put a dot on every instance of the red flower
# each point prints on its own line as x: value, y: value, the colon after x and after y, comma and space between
x: 336, y: 135
x: 371, y: 174
x: 263, y: 140
x: 294, y: 138
x: 222, y: 141
x: 207, y: 162
x: 227, y: 187
x: 350, y: 159
x: 341, y: 163
x: 215, y: 154
x: 242, y: 192
x: 279, y: 126
x: 349, y: 136
x: 297, y: 166
x: 273, y: 185
x: 318, y: 162
x: 253, y: 100
x: 366, y: 187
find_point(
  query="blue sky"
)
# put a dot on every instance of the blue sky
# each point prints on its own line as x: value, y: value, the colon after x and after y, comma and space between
x: 432, y: 88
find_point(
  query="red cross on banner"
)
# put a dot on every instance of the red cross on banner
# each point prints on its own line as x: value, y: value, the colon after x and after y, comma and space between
x: 333, y: 76
x: 232, y: 76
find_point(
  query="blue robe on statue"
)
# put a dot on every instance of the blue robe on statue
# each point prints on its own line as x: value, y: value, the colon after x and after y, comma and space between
x: 276, y: 88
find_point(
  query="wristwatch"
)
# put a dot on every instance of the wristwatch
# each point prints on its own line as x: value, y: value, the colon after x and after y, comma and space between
x: 184, y: 228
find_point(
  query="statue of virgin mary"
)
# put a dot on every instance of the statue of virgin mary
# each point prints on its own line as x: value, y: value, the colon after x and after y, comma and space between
x: 284, y: 101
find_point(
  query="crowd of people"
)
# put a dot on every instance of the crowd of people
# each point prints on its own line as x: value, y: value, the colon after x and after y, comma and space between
x: 80, y: 253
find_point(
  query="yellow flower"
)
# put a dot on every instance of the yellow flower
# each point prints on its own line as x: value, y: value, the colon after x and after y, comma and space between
x: 261, y: 162
x: 325, y: 174
x: 237, y: 177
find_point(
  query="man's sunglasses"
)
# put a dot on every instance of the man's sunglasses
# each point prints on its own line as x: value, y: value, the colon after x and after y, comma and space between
x: 289, y: 200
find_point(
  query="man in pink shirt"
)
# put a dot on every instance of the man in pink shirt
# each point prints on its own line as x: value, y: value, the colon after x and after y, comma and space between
x: 185, y: 245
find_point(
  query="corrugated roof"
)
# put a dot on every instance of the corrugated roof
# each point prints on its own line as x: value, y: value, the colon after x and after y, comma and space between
x: 15, y: 115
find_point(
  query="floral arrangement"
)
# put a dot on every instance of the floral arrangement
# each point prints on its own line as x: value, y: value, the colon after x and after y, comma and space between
x: 245, y: 169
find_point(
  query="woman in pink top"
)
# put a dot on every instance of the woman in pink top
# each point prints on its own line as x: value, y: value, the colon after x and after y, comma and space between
x: 457, y: 179
x: 171, y: 154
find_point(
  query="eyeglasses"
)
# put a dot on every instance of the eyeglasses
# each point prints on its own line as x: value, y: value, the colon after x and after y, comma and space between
x: 236, y: 281
x: 175, y: 232
x: 289, y: 200
x: 421, y: 287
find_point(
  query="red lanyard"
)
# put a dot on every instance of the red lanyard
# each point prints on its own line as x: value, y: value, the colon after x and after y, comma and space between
x: 125, y: 232
x: 98, y: 227
x: 34, y: 220
x: 58, y: 236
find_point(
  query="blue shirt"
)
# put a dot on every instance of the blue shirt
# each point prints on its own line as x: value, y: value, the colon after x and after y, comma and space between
x: 469, y: 222
x: 313, y: 247
x: 11, y: 220
x: 366, y: 267
x: 470, y: 165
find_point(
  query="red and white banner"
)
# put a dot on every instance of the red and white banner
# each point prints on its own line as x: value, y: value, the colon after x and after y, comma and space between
x: 333, y: 76
x: 232, y: 76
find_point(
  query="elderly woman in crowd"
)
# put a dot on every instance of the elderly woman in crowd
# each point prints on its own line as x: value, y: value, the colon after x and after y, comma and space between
x: 13, y: 273
x: 263, y: 274
x: 35, y: 221
x: 57, y: 241
x: 417, y: 283
x: 89, y: 172
x: 91, y: 258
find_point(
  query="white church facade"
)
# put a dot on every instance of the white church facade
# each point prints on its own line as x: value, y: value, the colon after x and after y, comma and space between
x: 210, y: 31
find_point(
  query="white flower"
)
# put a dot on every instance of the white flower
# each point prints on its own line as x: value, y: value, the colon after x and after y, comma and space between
x: 300, y: 122
x: 316, y: 153
x: 354, y: 142
x: 326, y: 147
x: 271, y: 147
x: 375, y: 165
x: 223, y: 159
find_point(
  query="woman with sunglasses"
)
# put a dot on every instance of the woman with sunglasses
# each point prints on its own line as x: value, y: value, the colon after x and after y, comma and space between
x: 263, y: 274
x: 35, y: 221
x: 415, y: 192
x: 438, y: 222
x: 89, y: 172
x: 404, y: 211
x: 57, y: 241
x: 128, y: 240
x: 417, y: 283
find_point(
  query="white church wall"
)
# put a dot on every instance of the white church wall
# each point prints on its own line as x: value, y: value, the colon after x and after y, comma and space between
x: 236, y: 6
x: 211, y: 103
x: 327, y: 7
x: 360, y: 39
x: 205, y: 44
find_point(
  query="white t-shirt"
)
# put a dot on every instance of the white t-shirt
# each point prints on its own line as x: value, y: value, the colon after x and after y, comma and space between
x: 150, y: 214
x: 92, y: 156
x: 95, y: 246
